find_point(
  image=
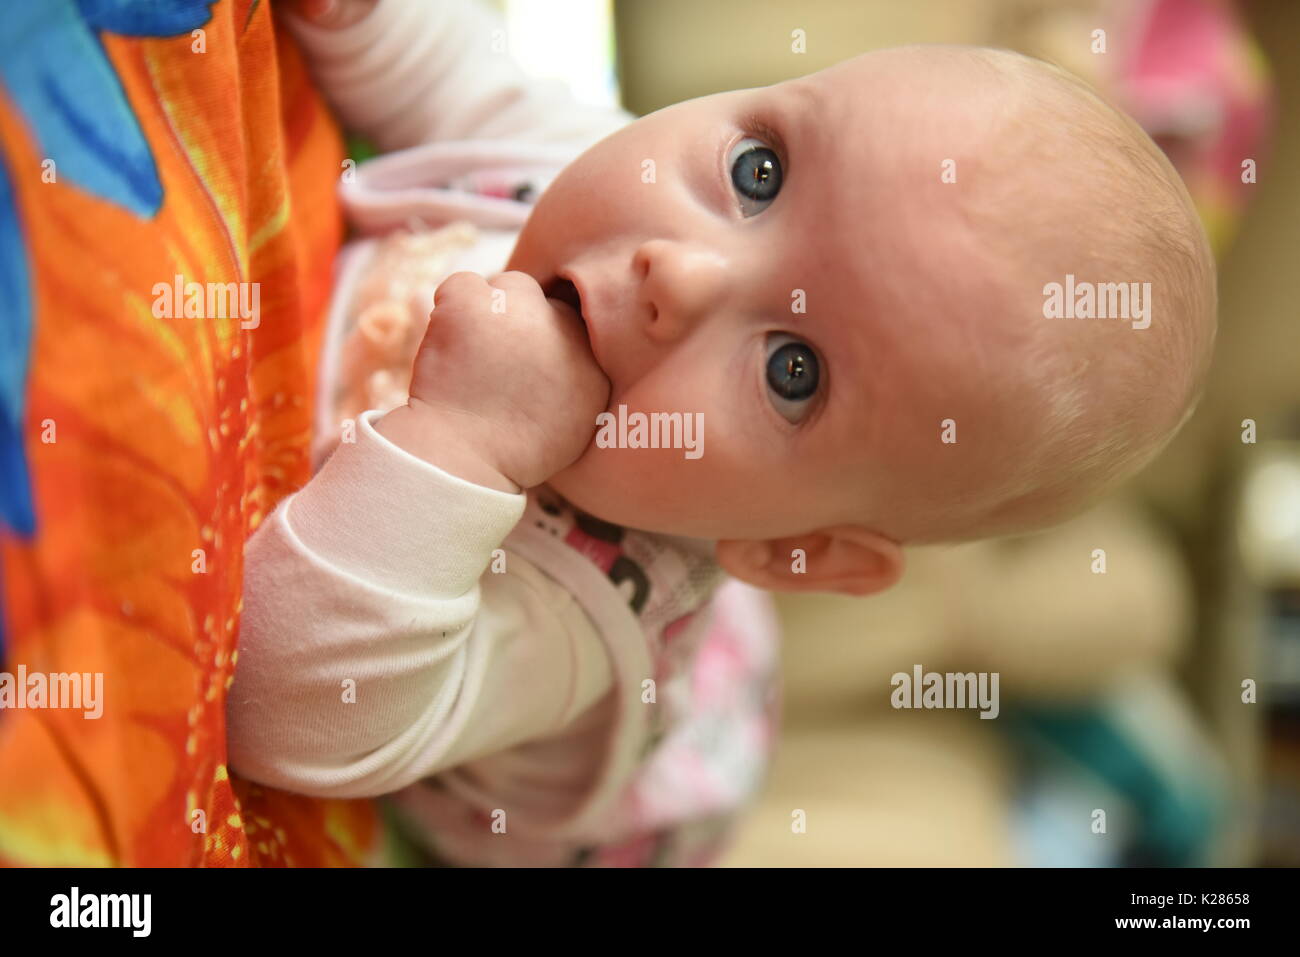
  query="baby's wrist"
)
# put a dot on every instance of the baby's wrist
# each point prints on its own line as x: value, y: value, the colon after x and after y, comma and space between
x: 419, y: 429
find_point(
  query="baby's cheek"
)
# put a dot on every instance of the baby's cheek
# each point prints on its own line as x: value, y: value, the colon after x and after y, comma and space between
x: 654, y: 489
x: 664, y: 456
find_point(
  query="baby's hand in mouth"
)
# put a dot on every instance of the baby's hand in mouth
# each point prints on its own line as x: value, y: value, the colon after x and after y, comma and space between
x: 504, y: 389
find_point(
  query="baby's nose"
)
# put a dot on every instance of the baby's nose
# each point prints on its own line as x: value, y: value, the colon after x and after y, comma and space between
x: 681, y: 284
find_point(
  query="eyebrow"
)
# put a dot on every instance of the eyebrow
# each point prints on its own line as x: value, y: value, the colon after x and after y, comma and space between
x: 801, y: 114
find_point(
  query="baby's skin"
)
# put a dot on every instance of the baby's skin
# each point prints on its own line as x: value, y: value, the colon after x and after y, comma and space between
x: 844, y: 273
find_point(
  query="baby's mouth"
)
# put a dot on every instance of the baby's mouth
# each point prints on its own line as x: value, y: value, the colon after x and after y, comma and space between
x: 565, y: 291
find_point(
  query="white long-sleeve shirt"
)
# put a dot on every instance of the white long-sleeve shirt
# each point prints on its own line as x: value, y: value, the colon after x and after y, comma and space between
x: 380, y: 650
x: 374, y: 649
x: 435, y: 71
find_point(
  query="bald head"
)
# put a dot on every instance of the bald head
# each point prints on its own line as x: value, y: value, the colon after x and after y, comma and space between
x: 1117, y: 269
x: 1063, y: 310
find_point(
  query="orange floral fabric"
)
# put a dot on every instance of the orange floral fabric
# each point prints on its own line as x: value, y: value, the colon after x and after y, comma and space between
x: 172, y: 438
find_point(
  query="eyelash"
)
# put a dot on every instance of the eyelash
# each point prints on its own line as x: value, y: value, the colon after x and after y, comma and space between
x: 761, y: 131
x: 751, y: 127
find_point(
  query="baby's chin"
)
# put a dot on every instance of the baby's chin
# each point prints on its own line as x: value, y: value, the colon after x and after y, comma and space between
x: 627, y: 502
x: 603, y: 498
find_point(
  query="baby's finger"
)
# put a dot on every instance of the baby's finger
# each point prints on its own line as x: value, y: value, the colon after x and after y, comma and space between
x: 515, y: 284
x: 465, y: 286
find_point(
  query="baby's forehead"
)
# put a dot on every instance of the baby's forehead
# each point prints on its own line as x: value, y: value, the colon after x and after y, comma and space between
x: 882, y: 160
x: 903, y: 77
x: 911, y: 173
x: 891, y: 118
x: 906, y: 138
x: 926, y: 97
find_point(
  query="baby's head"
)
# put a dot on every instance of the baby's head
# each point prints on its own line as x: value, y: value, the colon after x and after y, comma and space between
x: 848, y: 275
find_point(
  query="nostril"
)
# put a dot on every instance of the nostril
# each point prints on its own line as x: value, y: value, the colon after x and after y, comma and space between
x: 641, y: 263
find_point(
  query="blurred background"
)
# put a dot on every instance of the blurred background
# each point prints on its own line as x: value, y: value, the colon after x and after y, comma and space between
x: 1164, y: 692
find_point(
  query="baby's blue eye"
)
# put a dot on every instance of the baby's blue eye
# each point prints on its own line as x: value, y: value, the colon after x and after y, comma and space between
x: 756, y: 175
x: 793, y: 374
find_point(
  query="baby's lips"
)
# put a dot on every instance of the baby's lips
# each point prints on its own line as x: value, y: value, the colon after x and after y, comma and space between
x: 564, y: 309
x: 569, y: 313
x: 564, y: 294
x: 565, y: 291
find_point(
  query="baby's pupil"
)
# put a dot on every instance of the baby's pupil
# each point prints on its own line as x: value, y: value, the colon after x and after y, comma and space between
x: 757, y: 173
x: 792, y: 372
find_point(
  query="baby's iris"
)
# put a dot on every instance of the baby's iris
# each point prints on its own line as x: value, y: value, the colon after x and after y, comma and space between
x: 756, y: 175
x: 793, y: 374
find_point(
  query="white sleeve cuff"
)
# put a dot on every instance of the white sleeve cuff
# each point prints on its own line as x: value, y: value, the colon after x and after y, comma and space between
x: 382, y: 514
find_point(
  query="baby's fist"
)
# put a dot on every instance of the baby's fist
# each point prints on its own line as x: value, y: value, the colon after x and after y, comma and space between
x: 504, y: 380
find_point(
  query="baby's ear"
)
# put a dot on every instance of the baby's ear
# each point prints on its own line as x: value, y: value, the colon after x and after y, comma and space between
x: 847, y: 559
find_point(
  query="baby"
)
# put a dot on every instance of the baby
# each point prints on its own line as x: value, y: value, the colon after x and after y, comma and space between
x: 497, y: 612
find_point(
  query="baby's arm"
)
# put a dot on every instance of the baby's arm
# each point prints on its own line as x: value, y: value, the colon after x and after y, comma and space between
x: 406, y: 73
x: 371, y: 577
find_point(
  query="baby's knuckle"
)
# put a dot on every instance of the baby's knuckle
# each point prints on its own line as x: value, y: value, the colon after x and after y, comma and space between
x: 456, y: 283
x: 515, y: 275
